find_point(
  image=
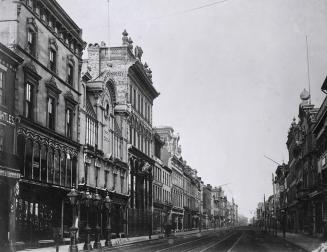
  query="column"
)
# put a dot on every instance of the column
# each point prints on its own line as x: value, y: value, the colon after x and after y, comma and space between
x: 144, y: 193
x: 132, y: 189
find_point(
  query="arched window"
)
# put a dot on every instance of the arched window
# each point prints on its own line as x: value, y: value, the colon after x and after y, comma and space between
x: 21, y: 151
x: 62, y: 169
x: 107, y: 110
x: 50, y: 166
x: 69, y: 171
x: 36, y: 163
x: 28, y: 159
x: 43, y: 164
x: 56, y: 168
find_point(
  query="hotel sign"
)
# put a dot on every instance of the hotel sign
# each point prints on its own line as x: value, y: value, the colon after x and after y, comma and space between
x: 7, y: 118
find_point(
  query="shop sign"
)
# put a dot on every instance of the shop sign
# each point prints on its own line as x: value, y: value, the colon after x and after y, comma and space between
x: 5, y: 117
x: 9, y: 174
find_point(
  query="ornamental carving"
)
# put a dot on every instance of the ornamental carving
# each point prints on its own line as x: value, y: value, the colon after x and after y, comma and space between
x: 49, y: 142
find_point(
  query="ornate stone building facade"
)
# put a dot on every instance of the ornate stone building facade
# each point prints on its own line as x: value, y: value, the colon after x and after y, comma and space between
x: 103, y: 156
x: 172, y: 156
x: 302, y: 169
x: 9, y: 161
x: 46, y: 98
x: 134, y: 99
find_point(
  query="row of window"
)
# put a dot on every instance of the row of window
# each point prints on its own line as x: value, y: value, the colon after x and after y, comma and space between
x: 114, y: 183
x: 42, y: 163
x: 140, y: 141
x: 92, y: 138
x: 161, y: 195
x: 177, y: 198
x: 177, y: 179
x: 140, y: 104
x: 161, y: 175
x: 29, y: 105
x: 53, y: 55
x: 53, y: 24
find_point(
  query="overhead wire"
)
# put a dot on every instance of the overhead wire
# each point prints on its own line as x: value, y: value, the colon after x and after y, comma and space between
x: 188, y: 10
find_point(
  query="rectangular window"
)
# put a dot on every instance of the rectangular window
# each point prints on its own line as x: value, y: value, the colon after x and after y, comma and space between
x: 2, y: 88
x: 53, y: 60
x: 114, y: 181
x: 138, y: 102
x: 70, y: 76
x: 31, y: 41
x: 2, y: 136
x: 134, y: 102
x: 97, y: 172
x: 122, y: 182
x: 323, y: 161
x: 130, y: 94
x: 106, y: 175
x: 91, y: 132
x: 142, y: 106
x: 28, y: 100
x: 69, y: 122
x: 51, y: 113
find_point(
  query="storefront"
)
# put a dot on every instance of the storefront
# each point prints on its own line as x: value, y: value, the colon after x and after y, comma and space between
x: 9, y: 167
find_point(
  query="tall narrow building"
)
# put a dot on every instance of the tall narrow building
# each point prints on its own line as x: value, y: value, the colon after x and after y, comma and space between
x: 132, y: 81
x: 46, y: 97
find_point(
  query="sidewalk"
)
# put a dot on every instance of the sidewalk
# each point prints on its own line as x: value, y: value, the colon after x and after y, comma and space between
x: 307, y: 243
x: 116, y: 242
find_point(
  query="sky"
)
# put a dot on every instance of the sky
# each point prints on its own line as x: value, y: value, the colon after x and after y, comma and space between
x: 229, y: 77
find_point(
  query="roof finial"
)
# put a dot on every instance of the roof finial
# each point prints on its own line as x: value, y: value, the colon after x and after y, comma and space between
x: 125, y: 37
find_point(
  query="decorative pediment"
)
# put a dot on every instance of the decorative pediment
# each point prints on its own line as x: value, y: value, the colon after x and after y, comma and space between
x: 52, y: 87
x: 31, y: 23
x: 53, y: 44
x: 70, y: 100
x: 31, y: 74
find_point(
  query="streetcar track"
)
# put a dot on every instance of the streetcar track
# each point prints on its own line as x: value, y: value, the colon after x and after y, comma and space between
x: 235, y: 243
x: 211, y: 243
x: 216, y: 243
x: 184, y: 243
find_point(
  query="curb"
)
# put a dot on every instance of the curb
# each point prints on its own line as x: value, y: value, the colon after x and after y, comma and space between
x: 294, y: 244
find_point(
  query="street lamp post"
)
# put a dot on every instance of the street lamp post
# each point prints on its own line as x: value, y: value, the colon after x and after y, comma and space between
x: 107, y: 204
x: 87, y: 202
x: 97, y: 205
x: 73, y: 195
